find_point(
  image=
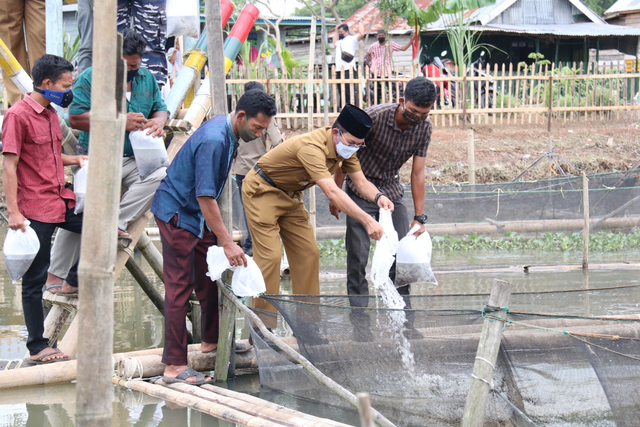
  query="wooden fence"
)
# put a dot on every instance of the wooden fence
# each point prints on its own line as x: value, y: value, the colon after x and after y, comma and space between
x: 496, y: 95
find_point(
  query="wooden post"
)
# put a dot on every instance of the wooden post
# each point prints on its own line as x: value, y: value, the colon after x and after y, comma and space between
x: 364, y: 409
x: 226, y: 341
x: 151, y: 254
x: 585, y: 231
x: 550, y: 102
x: 312, y: 49
x: 488, y: 347
x: 53, y: 32
x: 471, y: 157
x: 218, y: 94
x: 325, y: 66
x: 96, y: 270
x: 464, y: 97
x: 154, y: 295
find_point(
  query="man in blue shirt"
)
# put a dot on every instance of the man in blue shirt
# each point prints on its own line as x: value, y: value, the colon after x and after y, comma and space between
x: 189, y: 221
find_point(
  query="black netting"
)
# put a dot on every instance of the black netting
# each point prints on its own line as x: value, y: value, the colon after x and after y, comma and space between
x: 417, y: 363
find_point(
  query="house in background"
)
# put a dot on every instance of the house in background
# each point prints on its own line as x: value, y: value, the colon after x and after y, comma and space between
x: 561, y: 30
x: 624, y: 12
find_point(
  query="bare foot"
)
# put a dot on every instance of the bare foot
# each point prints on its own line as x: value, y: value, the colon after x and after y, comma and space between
x: 207, y: 347
x: 172, y: 371
x: 49, y: 354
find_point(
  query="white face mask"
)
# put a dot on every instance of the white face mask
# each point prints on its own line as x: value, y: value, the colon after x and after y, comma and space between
x: 345, y: 151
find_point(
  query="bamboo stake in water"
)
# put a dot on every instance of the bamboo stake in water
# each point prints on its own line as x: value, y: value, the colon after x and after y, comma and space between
x: 488, y: 347
x: 585, y: 233
x: 471, y: 157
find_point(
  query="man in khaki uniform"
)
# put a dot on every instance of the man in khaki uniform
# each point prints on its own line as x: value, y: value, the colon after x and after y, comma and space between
x: 272, y: 195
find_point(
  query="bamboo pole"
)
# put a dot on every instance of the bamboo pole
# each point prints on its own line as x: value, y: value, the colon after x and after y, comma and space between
x: 98, y: 254
x: 471, y: 157
x: 151, y: 254
x: 226, y: 340
x: 286, y: 349
x: 364, y: 409
x: 585, y: 231
x: 482, y: 377
x: 139, y: 275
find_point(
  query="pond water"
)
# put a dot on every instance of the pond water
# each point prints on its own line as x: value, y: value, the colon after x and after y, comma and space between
x: 138, y: 325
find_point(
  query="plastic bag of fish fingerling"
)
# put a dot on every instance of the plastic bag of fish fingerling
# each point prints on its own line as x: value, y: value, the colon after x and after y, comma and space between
x: 413, y: 260
x: 246, y: 282
x: 80, y: 186
x: 149, y: 151
x: 183, y: 18
x: 20, y: 249
x: 383, y: 256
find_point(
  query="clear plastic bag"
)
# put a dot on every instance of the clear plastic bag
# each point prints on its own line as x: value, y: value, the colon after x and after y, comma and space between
x: 183, y: 18
x: 80, y: 186
x: 246, y: 282
x: 413, y: 260
x: 20, y: 248
x: 149, y: 151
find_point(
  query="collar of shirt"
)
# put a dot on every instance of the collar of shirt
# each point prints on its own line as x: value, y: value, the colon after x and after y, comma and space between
x: 331, y: 146
x: 37, y: 107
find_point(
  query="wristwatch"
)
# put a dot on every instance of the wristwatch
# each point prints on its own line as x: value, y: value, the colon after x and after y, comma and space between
x: 422, y: 219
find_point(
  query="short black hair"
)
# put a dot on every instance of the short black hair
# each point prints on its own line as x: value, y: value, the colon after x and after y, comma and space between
x: 133, y: 44
x: 50, y: 67
x: 421, y: 91
x: 255, y: 102
x: 343, y: 27
x: 337, y: 125
x: 253, y: 85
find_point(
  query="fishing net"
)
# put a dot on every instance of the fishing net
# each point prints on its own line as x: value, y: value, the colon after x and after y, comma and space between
x: 416, y: 363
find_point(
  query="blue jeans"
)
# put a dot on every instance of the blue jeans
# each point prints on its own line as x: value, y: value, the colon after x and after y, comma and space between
x: 248, y: 243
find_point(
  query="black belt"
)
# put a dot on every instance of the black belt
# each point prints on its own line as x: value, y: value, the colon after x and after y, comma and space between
x: 265, y: 176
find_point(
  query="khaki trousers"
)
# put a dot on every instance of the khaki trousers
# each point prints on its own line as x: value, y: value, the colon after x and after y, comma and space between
x: 13, y: 13
x: 272, y: 215
x: 135, y: 201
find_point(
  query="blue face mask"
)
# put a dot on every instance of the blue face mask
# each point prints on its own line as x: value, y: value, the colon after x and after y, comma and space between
x: 62, y: 98
x: 131, y: 74
x: 345, y: 151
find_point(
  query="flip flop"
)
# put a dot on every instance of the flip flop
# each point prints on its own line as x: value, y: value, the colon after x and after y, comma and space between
x: 188, y: 373
x: 40, y: 360
x: 124, y: 240
x: 71, y: 294
x: 48, y: 288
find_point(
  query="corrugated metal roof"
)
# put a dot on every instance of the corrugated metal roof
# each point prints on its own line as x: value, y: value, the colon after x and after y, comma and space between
x: 368, y: 13
x: 623, y: 6
x: 588, y: 29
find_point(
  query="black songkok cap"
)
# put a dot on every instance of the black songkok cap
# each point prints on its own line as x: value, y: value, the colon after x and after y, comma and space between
x: 355, y: 121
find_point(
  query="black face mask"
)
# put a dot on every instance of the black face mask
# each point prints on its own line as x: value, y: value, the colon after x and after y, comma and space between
x: 340, y: 36
x: 131, y: 74
x: 412, y: 119
x: 381, y: 39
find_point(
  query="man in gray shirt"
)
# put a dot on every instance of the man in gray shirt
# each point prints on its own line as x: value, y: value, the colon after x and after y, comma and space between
x: 249, y: 152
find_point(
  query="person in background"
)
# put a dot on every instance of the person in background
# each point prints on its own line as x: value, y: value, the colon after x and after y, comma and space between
x: 248, y: 155
x: 381, y: 53
x: 33, y: 181
x: 174, y: 61
x: 272, y: 196
x: 145, y: 111
x: 147, y: 17
x: 188, y: 217
x: 346, y: 51
x: 20, y: 21
x: 400, y: 131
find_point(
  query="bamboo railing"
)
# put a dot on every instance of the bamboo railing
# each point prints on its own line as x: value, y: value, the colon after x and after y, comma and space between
x: 506, y: 94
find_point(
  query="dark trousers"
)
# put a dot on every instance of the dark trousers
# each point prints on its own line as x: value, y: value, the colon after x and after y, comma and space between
x: 247, y: 242
x: 35, y: 278
x: 358, y: 243
x: 185, y: 268
x: 347, y: 88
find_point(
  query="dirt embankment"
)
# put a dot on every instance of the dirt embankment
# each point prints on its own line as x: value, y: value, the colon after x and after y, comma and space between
x: 503, y: 152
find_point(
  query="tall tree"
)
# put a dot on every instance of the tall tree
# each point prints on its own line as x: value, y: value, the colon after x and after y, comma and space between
x: 599, y: 6
x: 343, y: 8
